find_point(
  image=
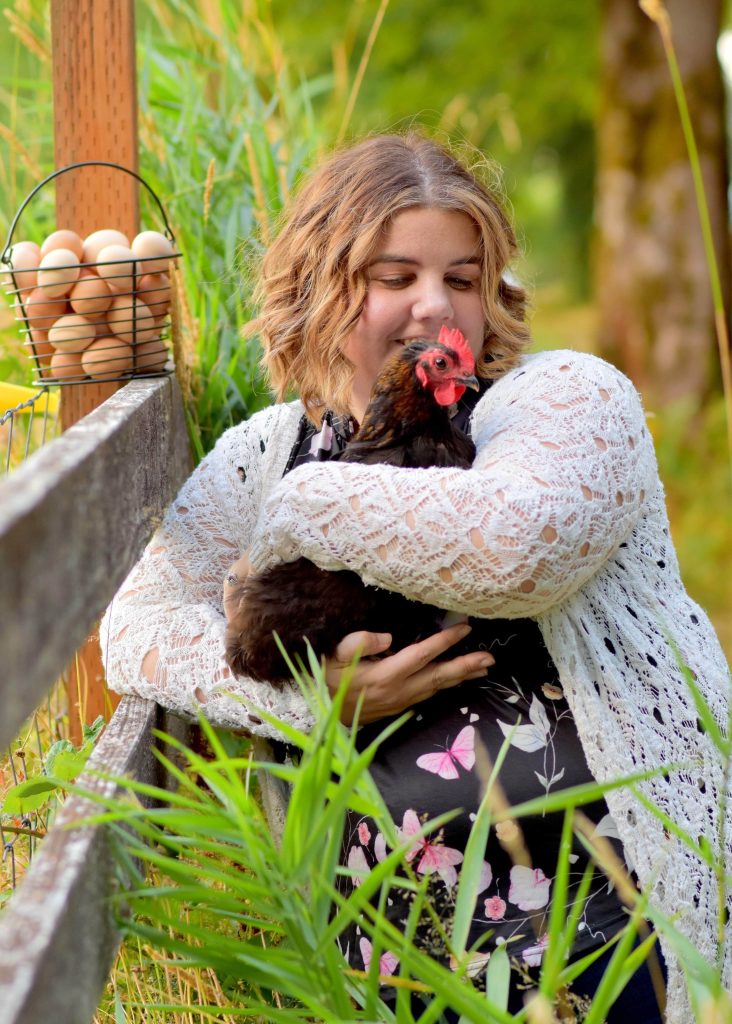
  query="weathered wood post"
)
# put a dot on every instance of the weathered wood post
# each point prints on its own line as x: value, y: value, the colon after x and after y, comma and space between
x: 95, y: 118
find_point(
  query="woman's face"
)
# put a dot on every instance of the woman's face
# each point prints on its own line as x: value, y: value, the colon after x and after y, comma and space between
x: 426, y: 272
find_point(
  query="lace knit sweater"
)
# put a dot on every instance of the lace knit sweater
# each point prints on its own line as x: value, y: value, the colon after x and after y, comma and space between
x: 562, y: 519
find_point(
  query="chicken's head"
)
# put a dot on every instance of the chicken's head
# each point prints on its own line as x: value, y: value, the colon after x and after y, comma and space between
x: 445, y: 367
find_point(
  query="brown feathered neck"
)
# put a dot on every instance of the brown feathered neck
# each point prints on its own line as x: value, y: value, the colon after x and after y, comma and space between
x: 400, y: 402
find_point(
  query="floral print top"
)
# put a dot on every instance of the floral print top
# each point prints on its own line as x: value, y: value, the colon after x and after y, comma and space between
x: 428, y: 767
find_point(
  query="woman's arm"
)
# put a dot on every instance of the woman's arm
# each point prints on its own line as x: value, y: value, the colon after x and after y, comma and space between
x: 163, y: 635
x: 563, y: 467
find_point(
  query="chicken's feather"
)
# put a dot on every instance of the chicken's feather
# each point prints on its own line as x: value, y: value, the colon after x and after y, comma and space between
x: 403, y: 426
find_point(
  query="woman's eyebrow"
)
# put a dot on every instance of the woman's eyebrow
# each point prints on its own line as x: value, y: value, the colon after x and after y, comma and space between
x: 388, y: 258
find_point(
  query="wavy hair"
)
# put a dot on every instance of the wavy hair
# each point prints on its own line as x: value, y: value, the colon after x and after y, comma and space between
x: 312, y: 282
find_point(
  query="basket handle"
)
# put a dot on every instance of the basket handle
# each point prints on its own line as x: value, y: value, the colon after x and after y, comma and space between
x: 5, y: 258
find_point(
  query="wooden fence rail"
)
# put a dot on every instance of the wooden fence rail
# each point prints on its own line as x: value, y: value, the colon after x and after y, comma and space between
x: 73, y: 520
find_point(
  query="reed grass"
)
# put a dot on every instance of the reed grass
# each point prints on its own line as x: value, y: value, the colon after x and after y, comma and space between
x: 656, y: 11
x: 226, y: 898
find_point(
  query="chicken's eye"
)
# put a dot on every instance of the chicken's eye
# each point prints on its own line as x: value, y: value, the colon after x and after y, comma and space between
x: 441, y: 363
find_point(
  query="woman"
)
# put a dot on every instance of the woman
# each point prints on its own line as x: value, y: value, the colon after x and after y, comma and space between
x: 555, y: 543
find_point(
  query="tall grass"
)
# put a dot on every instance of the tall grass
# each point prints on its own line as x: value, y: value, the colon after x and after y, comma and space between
x: 226, y: 127
x: 263, y: 918
x: 656, y: 10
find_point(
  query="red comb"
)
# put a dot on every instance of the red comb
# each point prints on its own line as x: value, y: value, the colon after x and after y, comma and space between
x: 455, y: 339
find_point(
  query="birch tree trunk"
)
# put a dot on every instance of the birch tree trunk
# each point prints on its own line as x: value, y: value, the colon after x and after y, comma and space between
x: 652, y: 287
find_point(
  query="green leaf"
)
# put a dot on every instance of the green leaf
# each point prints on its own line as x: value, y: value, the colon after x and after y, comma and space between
x: 91, y: 732
x: 473, y: 859
x: 67, y: 764
x: 119, y: 1013
x: 497, y: 978
x: 28, y: 796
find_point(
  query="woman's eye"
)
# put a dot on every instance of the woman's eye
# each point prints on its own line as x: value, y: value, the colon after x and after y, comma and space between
x: 394, y: 282
x: 460, y: 283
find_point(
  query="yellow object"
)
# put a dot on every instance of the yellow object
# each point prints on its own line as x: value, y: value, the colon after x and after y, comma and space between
x: 15, y: 394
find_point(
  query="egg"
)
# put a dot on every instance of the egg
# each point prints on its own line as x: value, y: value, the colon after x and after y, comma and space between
x: 98, y: 240
x: 107, y: 357
x: 63, y: 239
x: 41, y: 311
x: 72, y: 333
x: 59, y: 271
x: 154, y: 290
x: 37, y: 345
x: 131, y: 320
x: 116, y: 266
x: 148, y: 245
x: 151, y: 355
x: 100, y: 322
x: 24, y: 259
x: 90, y: 294
x: 65, y: 365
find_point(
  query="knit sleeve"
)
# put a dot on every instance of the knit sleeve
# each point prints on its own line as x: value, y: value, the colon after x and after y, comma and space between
x: 563, y: 466
x: 171, y: 602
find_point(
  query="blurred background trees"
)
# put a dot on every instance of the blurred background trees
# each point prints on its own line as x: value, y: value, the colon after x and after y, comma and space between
x: 571, y: 100
x: 655, y: 305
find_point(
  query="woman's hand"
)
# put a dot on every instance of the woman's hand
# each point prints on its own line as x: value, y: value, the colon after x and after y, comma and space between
x: 237, y: 572
x: 391, y: 684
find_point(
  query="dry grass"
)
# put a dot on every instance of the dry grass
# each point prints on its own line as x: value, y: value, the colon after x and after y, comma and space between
x: 24, y: 758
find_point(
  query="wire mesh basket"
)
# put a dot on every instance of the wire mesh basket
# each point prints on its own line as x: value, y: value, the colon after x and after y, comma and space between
x: 95, y: 309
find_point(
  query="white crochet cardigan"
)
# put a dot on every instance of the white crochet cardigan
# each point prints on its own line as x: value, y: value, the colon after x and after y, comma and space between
x: 562, y: 519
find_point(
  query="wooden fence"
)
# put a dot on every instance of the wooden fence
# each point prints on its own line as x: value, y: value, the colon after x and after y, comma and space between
x: 74, y: 518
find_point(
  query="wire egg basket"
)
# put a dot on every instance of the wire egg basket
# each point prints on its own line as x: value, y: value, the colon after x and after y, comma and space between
x: 93, y: 320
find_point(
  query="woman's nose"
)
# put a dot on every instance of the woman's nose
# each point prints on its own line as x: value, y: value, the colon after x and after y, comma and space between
x: 432, y: 302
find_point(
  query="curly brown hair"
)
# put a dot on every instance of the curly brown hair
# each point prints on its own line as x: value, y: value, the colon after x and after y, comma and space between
x: 312, y: 282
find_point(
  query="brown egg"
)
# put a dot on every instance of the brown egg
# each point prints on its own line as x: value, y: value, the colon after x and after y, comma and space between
x: 148, y: 245
x: 131, y: 320
x: 38, y: 346
x: 65, y: 365
x: 116, y: 266
x: 97, y: 319
x: 90, y: 294
x: 154, y: 290
x: 107, y: 357
x: 72, y: 333
x: 58, y: 272
x: 63, y: 239
x: 150, y: 356
x: 40, y: 310
x: 98, y: 240
x: 25, y: 258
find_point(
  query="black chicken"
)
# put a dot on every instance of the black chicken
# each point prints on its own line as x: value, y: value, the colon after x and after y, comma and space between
x: 407, y: 423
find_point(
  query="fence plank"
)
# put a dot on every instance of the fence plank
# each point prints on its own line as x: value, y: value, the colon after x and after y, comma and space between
x: 94, y: 118
x: 57, y: 934
x: 73, y: 520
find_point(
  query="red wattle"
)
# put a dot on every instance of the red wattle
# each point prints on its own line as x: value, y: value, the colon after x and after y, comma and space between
x: 449, y: 392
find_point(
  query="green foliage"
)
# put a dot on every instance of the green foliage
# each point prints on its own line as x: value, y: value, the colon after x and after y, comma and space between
x: 265, y: 916
x: 693, y: 460
x: 63, y: 763
x: 519, y: 81
x: 224, y: 135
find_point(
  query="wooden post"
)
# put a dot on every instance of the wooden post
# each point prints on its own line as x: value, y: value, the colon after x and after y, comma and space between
x: 95, y: 118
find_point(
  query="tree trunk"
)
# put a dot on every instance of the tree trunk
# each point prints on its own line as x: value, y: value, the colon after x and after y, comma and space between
x: 652, y: 286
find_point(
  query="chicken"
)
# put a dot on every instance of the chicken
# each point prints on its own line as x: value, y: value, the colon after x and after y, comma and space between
x: 407, y: 424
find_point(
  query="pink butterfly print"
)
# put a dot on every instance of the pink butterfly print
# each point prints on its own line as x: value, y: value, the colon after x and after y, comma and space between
x: 388, y: 962
x: 358, y: 864
x: 443, y: 762
x: 432, y: 856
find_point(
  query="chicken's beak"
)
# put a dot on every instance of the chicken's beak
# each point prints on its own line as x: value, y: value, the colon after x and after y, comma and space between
x: 469, y: 382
